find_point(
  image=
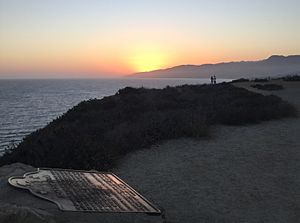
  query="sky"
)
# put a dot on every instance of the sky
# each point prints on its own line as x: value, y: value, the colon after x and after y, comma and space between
x: 118, y: 37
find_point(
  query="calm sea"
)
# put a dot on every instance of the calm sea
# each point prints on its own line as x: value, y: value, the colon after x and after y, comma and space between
x: 27, y: 105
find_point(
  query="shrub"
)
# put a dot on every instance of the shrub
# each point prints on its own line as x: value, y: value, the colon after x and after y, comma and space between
x: 292, y: 78
x: 95, y: 134
x: 261, y: 80
x: 241, y: 80
x: 268, y: 87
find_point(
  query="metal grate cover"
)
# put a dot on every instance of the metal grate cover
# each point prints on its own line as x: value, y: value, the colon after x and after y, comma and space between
x: 89, y: 191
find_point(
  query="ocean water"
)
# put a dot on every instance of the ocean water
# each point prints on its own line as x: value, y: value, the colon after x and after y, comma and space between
x: 27, y: 105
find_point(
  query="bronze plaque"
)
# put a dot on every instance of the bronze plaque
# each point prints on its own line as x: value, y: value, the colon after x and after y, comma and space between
x: 88, y: 191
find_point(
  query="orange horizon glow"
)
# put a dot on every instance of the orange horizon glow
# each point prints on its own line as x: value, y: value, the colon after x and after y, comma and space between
x: 136, y: 59
x: 143, y: 62
x: 100, y: 59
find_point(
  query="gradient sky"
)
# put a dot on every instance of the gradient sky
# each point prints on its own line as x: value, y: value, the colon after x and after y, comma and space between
x: 97, y: 37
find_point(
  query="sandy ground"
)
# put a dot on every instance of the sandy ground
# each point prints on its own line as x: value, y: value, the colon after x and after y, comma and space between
x: 242, y: 174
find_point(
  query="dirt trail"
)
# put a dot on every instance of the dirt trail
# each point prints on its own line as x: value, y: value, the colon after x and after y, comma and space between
x: 243, y: 174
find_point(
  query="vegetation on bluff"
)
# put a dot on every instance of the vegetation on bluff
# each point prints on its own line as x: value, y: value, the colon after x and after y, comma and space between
x: 240, y: 80
x: 97, y: 133
x: 292, y: 78
x: 268, y: 87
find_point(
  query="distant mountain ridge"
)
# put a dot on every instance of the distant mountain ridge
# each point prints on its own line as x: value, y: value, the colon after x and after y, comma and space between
x: 273, y: 66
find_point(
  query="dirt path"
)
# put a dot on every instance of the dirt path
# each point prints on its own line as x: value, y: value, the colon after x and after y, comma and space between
x: 242, y: 174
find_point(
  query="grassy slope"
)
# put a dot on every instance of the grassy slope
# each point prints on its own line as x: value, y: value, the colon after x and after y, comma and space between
x: 97, y: 133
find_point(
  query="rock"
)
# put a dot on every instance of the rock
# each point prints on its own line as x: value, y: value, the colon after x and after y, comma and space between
x: 20, y: 206
x: 15, y: 213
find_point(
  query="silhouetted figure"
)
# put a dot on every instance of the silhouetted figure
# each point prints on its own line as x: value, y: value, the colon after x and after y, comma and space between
x: 211, y: 79
x: 215, y: 79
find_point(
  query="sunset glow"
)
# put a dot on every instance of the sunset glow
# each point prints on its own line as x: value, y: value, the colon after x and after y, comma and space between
x: 147, y: 60
x: 121, y: 37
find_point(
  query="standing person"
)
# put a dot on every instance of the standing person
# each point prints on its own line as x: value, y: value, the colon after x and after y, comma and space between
x: 215, y: 79
x: 211, y: 79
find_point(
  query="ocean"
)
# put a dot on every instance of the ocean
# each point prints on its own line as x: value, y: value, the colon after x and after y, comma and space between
x: 27, y: 105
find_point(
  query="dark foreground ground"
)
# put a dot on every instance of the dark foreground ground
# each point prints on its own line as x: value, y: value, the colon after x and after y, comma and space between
x: 244, y: 174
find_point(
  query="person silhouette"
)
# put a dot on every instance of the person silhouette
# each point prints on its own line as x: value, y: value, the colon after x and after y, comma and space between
x: 215, y: 79
x: 211, y: 79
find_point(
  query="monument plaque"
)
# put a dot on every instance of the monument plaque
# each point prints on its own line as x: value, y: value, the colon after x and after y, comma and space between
x: 89, y: 191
